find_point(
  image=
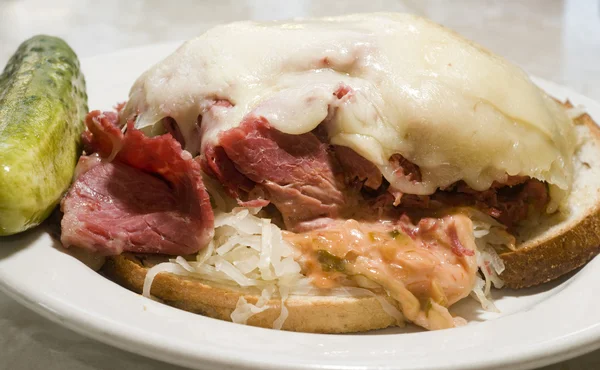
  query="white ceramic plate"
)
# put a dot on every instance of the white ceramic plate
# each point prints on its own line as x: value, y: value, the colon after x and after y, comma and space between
x: 536, y: 327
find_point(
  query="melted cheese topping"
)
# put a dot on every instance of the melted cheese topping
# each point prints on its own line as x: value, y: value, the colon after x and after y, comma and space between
x: 453, y: 108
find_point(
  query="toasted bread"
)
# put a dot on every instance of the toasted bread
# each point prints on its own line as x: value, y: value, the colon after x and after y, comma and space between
x: 312, y: 314
x: 559, y: 244
x: 556, y: 246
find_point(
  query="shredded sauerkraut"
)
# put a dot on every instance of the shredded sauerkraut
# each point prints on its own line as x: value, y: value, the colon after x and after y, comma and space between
x: 246, y: 251
x: 249, y: 251
x: 489, y: 234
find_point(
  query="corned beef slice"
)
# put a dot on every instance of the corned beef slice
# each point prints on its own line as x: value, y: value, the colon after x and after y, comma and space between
x: 217, y: 163
x: 295, y: 171
x: 150, y: 198
x: 357, y: 168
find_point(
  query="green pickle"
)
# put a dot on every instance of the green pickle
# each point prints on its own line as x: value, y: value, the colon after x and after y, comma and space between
x: 43, y: 103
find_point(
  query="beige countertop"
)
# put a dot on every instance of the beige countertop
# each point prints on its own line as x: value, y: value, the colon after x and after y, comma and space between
x: 554, y: 39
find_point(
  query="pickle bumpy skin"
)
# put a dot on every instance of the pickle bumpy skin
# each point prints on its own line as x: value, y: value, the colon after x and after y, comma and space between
x: 42, y: 106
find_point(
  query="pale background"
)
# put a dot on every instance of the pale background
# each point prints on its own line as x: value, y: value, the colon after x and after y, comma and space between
x: 554, y: 39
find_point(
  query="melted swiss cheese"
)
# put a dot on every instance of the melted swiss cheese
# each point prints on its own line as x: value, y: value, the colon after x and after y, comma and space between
x: 446, y: 104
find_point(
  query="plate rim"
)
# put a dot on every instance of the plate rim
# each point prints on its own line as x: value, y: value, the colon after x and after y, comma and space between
x: 74, y: 317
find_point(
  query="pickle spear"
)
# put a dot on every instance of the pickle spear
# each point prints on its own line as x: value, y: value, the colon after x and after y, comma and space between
x: 42, y: 106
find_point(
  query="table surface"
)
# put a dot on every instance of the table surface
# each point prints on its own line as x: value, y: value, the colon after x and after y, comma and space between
x: 554, y: 39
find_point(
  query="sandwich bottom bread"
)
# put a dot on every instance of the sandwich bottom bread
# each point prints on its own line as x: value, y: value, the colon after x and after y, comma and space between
x: 311, y: 314
x: 546, y: 248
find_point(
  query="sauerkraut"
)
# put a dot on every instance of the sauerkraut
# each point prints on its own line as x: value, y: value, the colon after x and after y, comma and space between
x: 246, y: 251
x: 489, y: 235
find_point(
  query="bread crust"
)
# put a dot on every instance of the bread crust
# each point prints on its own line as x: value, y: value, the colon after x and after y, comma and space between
x: 537, y: 264
x: 555, y: 255
x: 306, y: 314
